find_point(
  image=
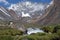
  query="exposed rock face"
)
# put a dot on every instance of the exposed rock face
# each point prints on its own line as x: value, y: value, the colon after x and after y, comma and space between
x: 4, y: 14
x: 52, y: 15
x: 13, y: 14
x: 8, y: 15
x: 57, y: 2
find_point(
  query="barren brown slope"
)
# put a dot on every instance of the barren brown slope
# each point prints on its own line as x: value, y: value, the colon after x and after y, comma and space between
x: 13, y: 14
x: 52, y: 16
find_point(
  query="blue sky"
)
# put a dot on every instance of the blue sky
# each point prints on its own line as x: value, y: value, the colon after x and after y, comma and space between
x: 7, y: 3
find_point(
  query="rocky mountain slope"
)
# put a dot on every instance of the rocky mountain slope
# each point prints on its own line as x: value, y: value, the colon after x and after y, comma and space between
x: 28, y: 11
x: 32, y: 9
x: 22, y: 11
x: 4, y: 14
x: 52, y: 15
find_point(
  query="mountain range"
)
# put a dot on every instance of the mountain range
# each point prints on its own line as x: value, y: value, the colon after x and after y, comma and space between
x: 52, y: 15
x: 22, y: 10
x: 39, y: 13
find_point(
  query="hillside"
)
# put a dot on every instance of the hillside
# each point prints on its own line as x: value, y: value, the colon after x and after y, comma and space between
x: 52, y: 15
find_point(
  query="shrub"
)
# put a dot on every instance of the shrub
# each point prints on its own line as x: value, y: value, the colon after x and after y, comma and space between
x: 12, y: 32
x: 48, y: 29
x: 57, y: 27
x: 5, y: 37
x: 39, y: 34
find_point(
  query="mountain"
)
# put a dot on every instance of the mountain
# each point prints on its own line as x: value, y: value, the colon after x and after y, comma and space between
x: 32, y: 9
x: 28, y: 10
x: 8, y: 15
x: 4, y: 14
x: 13, y: 15
x: 23, y: 11
x: 52, y: 15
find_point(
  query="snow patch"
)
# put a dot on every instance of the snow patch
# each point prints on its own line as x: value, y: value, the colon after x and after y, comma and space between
x: 25, y: 15
x: 27, y: 7
x: 27, y: 4
x: 50, y: 4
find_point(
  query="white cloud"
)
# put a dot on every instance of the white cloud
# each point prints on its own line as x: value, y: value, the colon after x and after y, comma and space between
x: 27, y: 4
x: 4, y: 1
x: 13, y: 7
x: 37, y: 7
x: 27, y: 7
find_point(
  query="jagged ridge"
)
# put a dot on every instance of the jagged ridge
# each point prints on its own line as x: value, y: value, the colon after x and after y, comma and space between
x: 52, y: 16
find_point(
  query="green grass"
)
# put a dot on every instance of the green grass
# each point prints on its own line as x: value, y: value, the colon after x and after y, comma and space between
x: 52, y: 32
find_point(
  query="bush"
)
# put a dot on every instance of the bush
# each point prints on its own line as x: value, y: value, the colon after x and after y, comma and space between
x: 40, y: 37
x: 57, y: 27
x: 5, y: 37
x: 39, y: 34
x: 12, y: 32
x: 48, y: 29
x: 58, y: 32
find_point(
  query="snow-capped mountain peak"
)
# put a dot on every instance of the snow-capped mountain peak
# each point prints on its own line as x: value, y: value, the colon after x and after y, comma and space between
x: 28, y: 8
x: 28, y: 3
x: 50, y: 4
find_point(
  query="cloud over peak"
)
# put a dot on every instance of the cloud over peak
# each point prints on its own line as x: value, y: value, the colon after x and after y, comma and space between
x: 4, y: 1
x: 27, y: 5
